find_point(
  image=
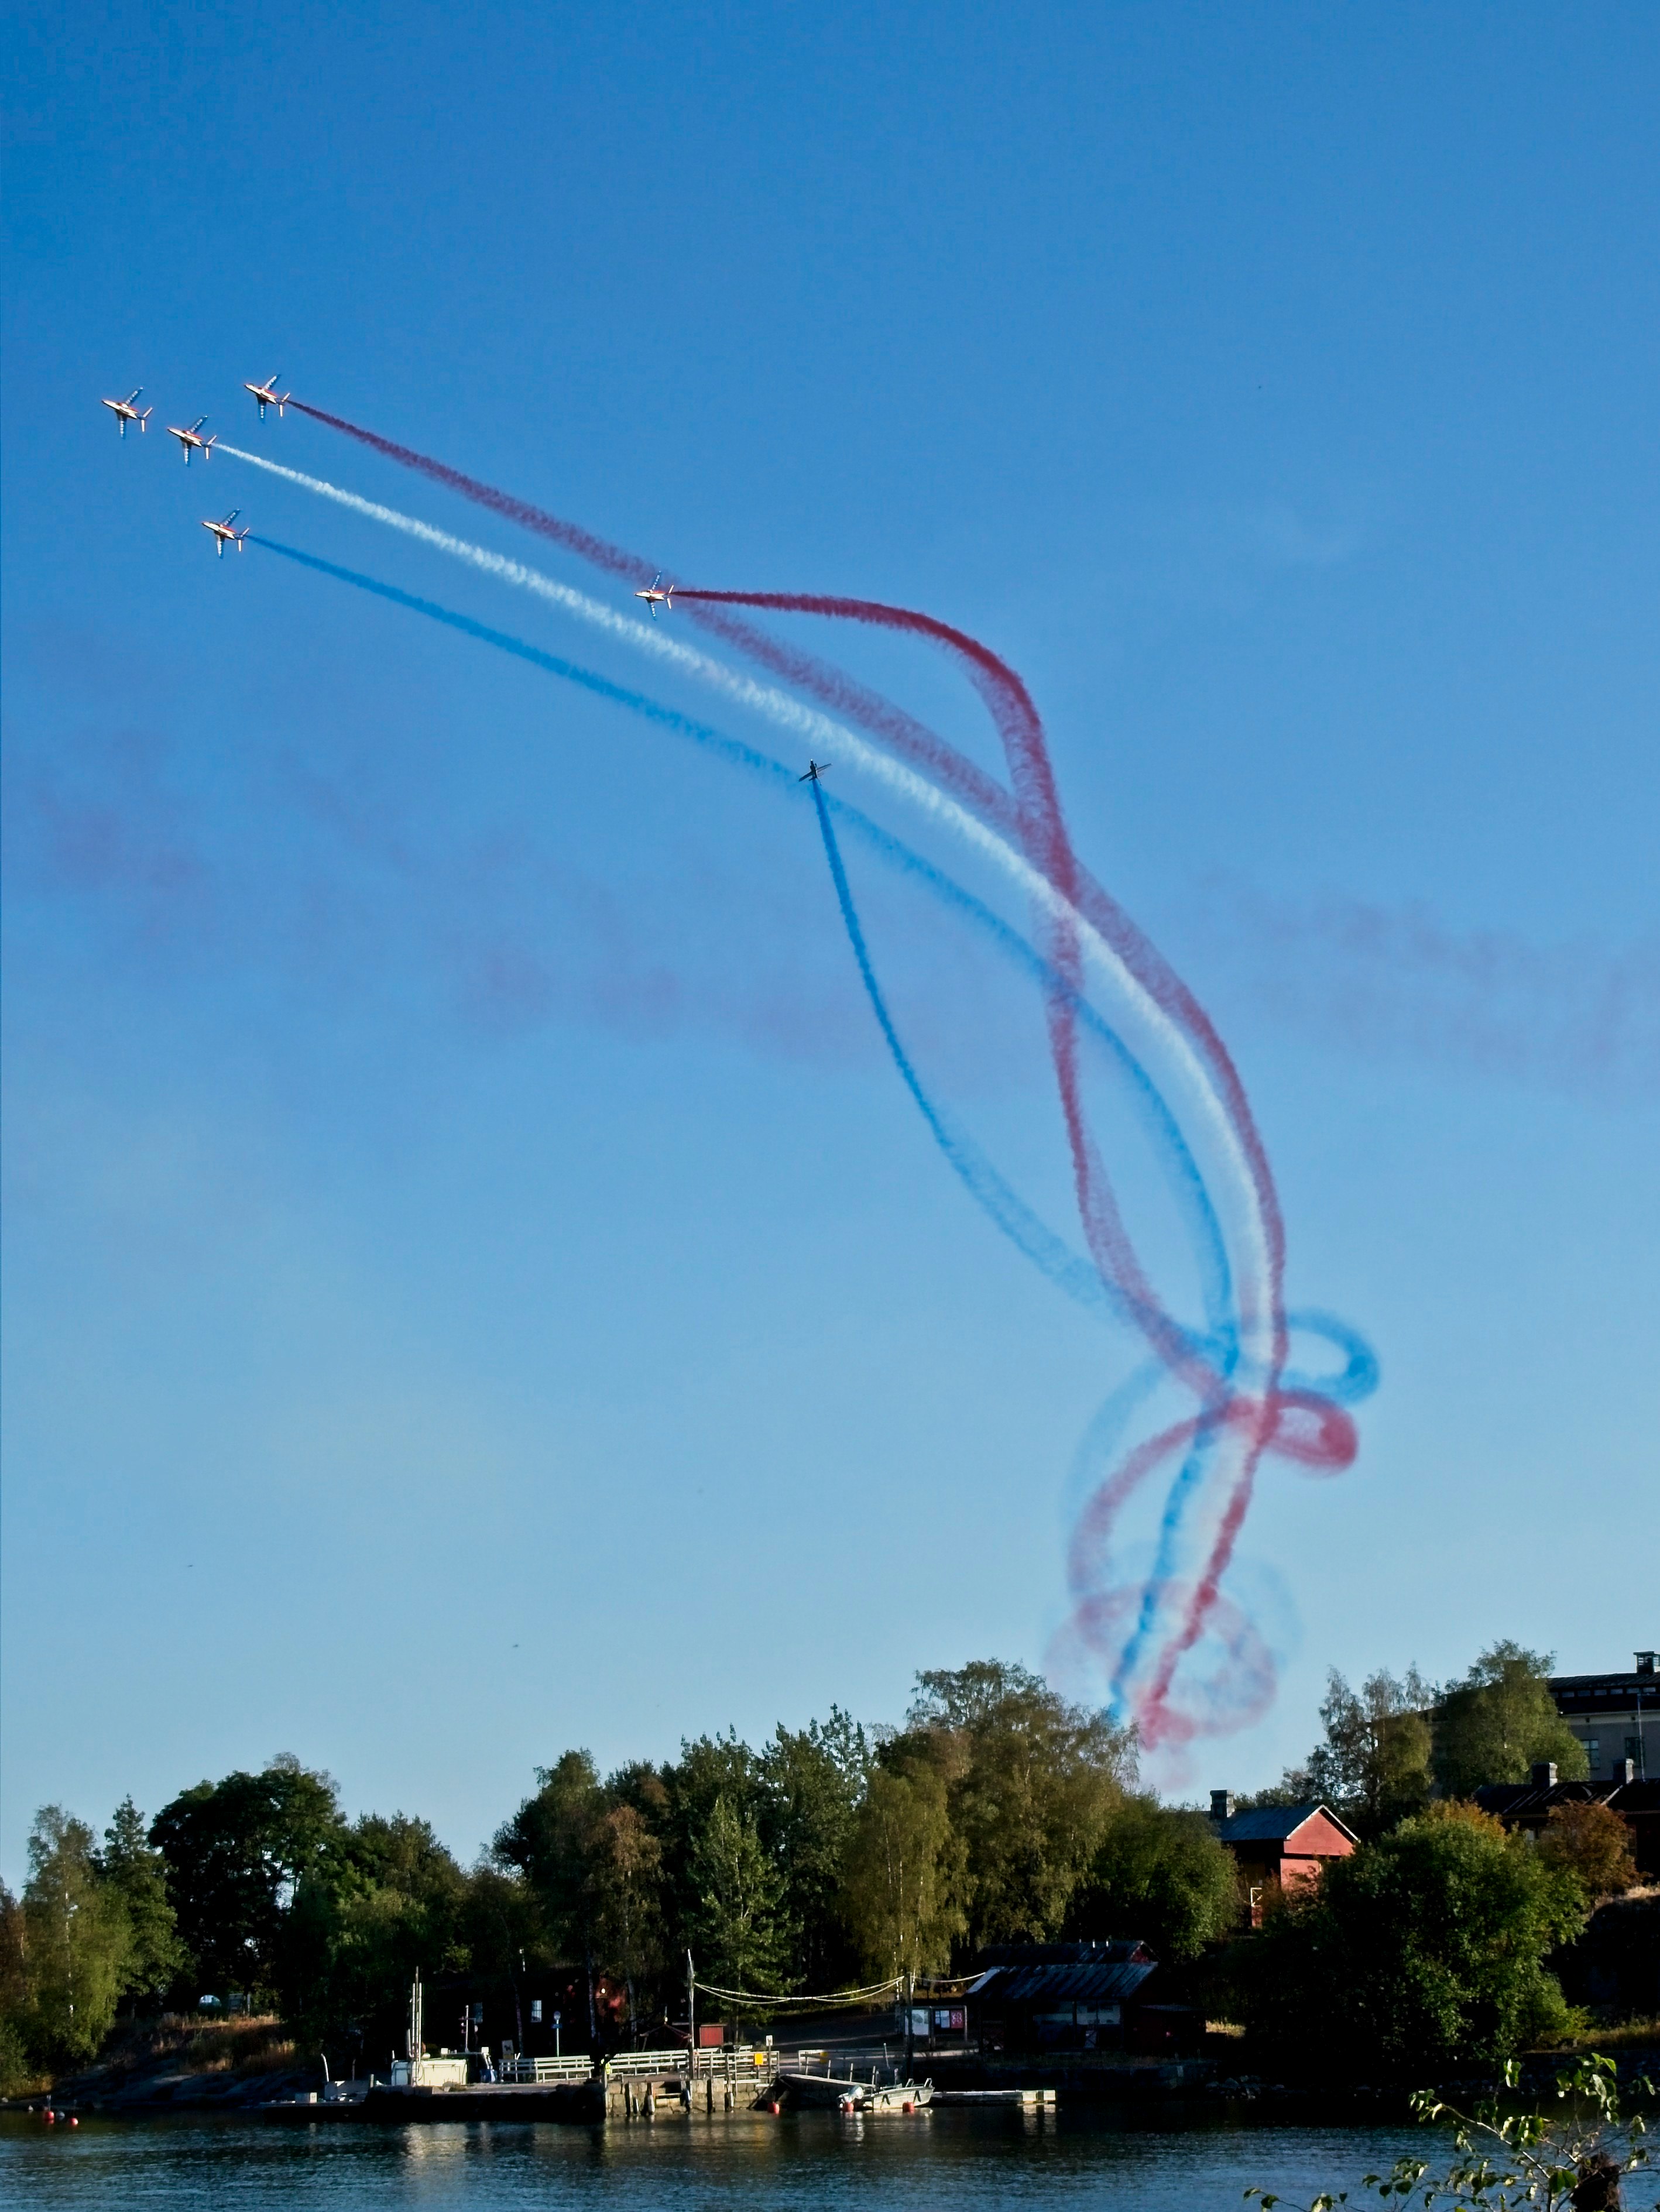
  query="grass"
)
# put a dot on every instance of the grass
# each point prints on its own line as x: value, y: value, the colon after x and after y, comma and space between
x: 1638, y: 2033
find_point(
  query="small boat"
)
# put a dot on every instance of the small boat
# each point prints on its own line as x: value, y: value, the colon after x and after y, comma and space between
x: 894, y: 2097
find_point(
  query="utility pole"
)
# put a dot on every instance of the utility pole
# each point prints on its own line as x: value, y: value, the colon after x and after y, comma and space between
x: 691, y: 2013
x: 910, y: 2026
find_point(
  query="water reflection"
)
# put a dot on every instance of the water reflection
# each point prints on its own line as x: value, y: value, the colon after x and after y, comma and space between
x: 976, y: 2162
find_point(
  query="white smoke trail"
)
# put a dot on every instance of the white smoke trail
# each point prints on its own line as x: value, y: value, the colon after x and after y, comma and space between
x: 1255, y: 1280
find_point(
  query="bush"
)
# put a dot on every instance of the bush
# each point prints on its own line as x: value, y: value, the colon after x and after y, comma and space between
x: 1423, y: 1948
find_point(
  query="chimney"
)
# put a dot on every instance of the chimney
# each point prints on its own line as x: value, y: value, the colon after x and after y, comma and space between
x: 1544, y: 1774
x: 1646, y: 1662
x: 1221, y: 1805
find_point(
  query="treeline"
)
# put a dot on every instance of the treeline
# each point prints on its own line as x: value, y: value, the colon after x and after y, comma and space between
x: 1397, y: 1743
x: 833, y: 1854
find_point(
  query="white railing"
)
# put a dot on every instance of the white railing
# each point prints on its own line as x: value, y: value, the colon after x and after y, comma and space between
x: 547, y: 2069
x: 628, y: 2063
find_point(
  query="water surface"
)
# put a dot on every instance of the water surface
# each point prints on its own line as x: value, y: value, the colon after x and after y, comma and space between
x: 969, y: 2162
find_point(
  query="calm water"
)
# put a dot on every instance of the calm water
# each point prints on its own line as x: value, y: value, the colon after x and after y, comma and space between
x: 968, y: 2163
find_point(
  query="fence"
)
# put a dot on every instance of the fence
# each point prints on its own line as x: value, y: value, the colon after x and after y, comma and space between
x: 547, y: 2069
x: 719, y: 2062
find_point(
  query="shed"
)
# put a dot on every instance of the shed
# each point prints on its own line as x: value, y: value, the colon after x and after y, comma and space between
x: 1073, y: 1996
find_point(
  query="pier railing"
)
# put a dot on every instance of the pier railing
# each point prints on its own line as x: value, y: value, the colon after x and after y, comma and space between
x: 719, y: 2062
x: 548, y: 2070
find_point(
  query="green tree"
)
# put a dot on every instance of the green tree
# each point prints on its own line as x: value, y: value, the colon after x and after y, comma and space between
x: 238, y: 1852
x: 626, y: 1884
x: 904, y: 1872
x: 1032, y: 1782
x: 138, y: 1872
x: 1424, y: 1946
x: 814, y: 1783
x: 1499, y: 1721
x: 18, y: 2072
x: 550, y: 1840
x: 1159, y: 1874
x: 399, y: 1906
x: 736, y: 1934
x: 78, y: 1938
x: 499, y: 1926
x: 1374, y: 1766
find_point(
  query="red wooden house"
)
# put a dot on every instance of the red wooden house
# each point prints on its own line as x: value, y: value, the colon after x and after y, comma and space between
x: 1279, y: 1848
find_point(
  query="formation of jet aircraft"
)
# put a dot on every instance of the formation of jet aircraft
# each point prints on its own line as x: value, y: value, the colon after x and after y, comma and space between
x: 266, y: 395
x: 125, y: 412
x: 192, y: 441
x: 654, y: 597
x: 223, y: 532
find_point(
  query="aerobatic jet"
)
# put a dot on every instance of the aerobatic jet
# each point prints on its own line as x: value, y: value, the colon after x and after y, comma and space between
x: 125, y: 412
x: 266, y: 395
x: 222, y: 531
x: 189, y: 438
x: 655, y: 598
x: 815, y: 770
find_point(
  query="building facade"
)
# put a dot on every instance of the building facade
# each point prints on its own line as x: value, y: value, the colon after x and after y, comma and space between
x: 1616, y: 1716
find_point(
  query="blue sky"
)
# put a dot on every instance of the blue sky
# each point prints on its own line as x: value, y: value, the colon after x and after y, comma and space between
x: 474, y: 1283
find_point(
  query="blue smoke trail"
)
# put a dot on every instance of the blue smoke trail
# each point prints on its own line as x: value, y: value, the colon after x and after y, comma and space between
x: 1078, y: 1277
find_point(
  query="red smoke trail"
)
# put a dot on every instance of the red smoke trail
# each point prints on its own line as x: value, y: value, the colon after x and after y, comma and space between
x: 1040, y: 826
x: 1049, y: 848
x: 599, y: 551
x: 1037, y: 824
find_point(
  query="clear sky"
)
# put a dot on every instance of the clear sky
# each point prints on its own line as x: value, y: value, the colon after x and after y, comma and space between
x: 475, y: 1282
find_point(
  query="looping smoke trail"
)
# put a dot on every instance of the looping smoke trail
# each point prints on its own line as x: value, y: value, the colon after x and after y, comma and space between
x: 1248, y: 1405
x: 1068, y: 1270
x: 972, y: 789
x: 1109, y: 1245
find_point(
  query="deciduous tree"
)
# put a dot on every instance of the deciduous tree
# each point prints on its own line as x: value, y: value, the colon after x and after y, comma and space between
x: 236, y: 1853
x: 79, y: 1940
x: 1592, y: 1842
x: 904, y: 1872
x: 1160, y: 1873
x: 814, y: 1783
x: 1032, y: 1783
x: 1499, y: 1721
x: 1374, y: 1766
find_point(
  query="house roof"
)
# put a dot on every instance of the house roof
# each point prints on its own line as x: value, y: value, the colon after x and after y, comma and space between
x: 1620, y: 1689
x: 1509, y: 1800
x: 1098, y: 1984
x: 1121, y: 1948
x: 1276, y: 1824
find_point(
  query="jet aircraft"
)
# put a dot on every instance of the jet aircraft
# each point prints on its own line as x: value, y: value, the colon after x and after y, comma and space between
x: 189, y: 438
x: 815, y: 770
x: 266, y: 395
x: 222, y: 531
x: 654, y: 597
x: 125, y: 412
